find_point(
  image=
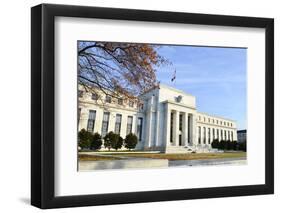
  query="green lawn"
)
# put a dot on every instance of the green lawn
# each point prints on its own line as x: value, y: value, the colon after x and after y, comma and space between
x: 187, y: 156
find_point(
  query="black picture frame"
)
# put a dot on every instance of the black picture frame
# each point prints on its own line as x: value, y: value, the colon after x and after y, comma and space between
x: 43, y: 105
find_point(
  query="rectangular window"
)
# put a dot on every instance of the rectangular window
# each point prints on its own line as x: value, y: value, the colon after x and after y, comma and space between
x: 120, y: 101
x: 224, y: 134
x: 129, y: 124
x: 189, y: 128
x: 209, y: 135
x: 221, y: 134
x: 204, y: 135
x: 118, y: 123
x: 228, y: 135
x: 105, y: 122
x: 140, y: 106
x: 131, y: 103
x: 180, y: 140
x: 171, y: 127
x: 213, y: 134
x: 139, y: 128
x: 91, y: 120
x: 231, y: 136
x: 180, y: 123
x: 108, y: 99
x: 218, y: 133
x: 199, y: 134
x: 94, y: 96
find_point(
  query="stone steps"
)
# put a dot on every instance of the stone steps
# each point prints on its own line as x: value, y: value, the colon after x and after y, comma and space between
x: 176, y: 149
x: 189, y: 149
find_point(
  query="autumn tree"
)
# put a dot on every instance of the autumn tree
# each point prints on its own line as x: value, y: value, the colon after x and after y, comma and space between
x: 118, y: 69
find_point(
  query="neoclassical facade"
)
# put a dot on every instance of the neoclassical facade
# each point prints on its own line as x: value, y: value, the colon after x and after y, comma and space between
x: 164, y: 119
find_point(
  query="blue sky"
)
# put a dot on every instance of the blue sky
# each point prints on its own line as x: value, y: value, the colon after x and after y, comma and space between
x: 216, y: 76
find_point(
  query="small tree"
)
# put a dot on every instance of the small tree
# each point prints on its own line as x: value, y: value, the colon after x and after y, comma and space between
x: 107, y: 143
x: 111, y: 140
x: 131, y: 141
x: 117, y: 143
x: 96, y: 141
x: 84, y: 139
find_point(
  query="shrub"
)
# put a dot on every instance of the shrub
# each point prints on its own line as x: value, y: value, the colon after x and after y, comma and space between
x: 242, y: 146
x: 229, y: 145
x: 226, y: 145
x: 112, y: 140
x: 84, y: 139
x: 96, y: 141
x: 215, y: 143
x: 117, y: 144
x: 131, y: 141
x: 107, y: 143
x: 221, y: 144
x: 234, y: 145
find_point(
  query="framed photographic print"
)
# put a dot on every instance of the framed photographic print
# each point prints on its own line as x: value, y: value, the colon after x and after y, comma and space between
x: 136, y: 106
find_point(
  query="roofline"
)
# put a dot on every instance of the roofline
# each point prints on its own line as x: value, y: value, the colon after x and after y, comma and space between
x: 175, y: 89
x: 158, y: 86
x: 179, y: 104
x: 216, y: 116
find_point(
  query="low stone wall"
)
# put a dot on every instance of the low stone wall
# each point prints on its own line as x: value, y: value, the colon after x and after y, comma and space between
x: 123, y: 164
x: 114, y: 152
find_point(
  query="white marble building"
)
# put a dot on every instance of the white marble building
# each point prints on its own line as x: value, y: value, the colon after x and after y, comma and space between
x: 163, y: 118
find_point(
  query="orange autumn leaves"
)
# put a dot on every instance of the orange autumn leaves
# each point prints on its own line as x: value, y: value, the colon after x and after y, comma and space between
x: 118, y: 68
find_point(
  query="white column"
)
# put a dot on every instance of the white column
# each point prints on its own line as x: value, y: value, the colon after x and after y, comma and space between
x: 176, y: 128
x: 167, y: 124
x: 123, y: 129
x: 148, y: 129
x: 83, y: 122
x: 235, y: 135
x: 98, y: 121
x: 111, y: 122
x: 185, y: 129
x: 157, y: 125
x: 207, y: 136
x: 192, y: 129
x: 211, y: 135
x: 189, y: 130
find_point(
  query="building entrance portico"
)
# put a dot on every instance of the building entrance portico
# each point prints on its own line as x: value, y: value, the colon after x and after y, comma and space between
x: 181, y: 126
